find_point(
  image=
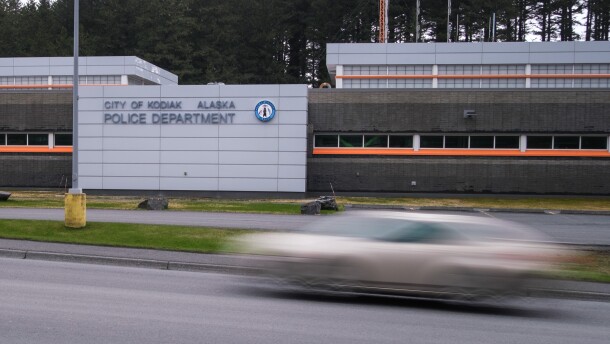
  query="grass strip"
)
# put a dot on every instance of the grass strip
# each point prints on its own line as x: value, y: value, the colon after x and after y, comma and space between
x: 593, y: 266
x: 50, y: 199
x: 55, y: 200
x: 590, y: 266
x: 161, y: 237
x: 558, y: 203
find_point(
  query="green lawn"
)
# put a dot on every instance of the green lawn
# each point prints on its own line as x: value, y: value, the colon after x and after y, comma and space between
x: 591, y: 266
x: 588, y: 266
x: 555, y: 203
x: 48, y: 199
x: 45, y: 199
x: 175, y: 238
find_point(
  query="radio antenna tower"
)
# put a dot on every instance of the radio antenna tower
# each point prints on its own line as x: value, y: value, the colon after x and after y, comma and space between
x: 383, y: 20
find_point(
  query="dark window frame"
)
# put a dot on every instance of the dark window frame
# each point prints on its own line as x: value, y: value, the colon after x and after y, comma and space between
x: 329, y: 135
x: 10, y: 136
x: 61, y: 145
x: 351, y: 136
x: 604, y: 139
x: 371, y: 136
x: 421, y: 146
x: 493, y: 141
x: 29, y: 140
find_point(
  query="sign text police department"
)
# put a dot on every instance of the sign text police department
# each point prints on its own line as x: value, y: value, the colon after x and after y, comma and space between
x: 167, y: 112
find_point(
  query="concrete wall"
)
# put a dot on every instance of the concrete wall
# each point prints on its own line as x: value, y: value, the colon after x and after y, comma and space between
x: 35, y: 170
x: 35, y: 111
x: 468, y: 174
x: 247, y: 155
x: 31, y: 112
x: 441, y: 111
x: 429, y: 111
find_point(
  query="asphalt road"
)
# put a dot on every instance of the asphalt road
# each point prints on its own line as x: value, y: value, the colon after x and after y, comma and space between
x: 574, y: 229
x: 51, y: 302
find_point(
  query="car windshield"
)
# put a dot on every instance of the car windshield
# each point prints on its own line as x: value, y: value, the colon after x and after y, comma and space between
x: 433, y: 230
x: 385, y: 229
x: 495, y: 231
x: 358, y: 227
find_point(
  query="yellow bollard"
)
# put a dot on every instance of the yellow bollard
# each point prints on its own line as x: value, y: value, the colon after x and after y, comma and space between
x: 75, y: 210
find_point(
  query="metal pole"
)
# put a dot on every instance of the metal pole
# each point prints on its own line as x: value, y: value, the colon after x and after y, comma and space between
x: 417, y: 22
x: 448, y: 19
x: 387, y: 20
x: 75, y: 187
x: 493, y: 28
x: 457, y: 27
x: 489, y: 30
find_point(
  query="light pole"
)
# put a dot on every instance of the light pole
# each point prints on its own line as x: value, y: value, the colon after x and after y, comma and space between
x: 75, y: 199
x: 75, y: 188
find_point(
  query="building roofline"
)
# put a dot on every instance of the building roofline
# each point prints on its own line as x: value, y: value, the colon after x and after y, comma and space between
x: 88, y: 65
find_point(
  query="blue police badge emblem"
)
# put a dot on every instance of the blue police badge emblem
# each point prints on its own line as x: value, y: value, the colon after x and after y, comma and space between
x: 265, y: 111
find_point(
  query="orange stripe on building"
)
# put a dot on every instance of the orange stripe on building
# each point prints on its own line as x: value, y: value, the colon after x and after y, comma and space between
x: 479, y: 76
x: 33, y: 87
x: 34, y: 149
x: 462, y: 152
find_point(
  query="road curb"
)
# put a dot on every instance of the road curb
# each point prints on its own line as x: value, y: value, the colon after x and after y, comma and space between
x: 233, y: 269
x: 479, y: 210
x: 102, y: 260
x: 570, y: 294
x: 6, y: 253
x: 198, y: 267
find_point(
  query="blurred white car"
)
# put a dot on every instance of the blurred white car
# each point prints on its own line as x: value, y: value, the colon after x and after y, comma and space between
x: 425, y: 255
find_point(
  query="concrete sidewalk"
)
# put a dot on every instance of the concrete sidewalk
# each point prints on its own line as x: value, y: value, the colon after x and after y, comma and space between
x: 235, y: 264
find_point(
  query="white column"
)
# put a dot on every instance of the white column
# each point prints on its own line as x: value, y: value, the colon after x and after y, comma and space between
x: 435, y: 80
x: 523, y: 143
x: 416, y: 142
x: 51, y: 140
x: 50, y: 82
x: 339, y: 81
x: 124, y: 80
x: 528, y: 71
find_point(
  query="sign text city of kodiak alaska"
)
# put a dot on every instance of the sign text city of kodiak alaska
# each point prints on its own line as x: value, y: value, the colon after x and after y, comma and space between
x: 168, y: 112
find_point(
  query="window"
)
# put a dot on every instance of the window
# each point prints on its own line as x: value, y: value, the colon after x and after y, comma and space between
x: 17, y: 139
x: 481, y: 142
x: 320, y: 140
x: 459, y: 69
x: 410, y: 70
x: 459, y: 83
x: 503, y: 83
x: 431, y: 142
x: 64, y: 140
x: 410, y: 83
x: 592, y: 68
x: 350, y: 141
x: 539, y: 142
x: 375, y: 141
x: 566, y: 142
x: 365, y: 70
x: 507, y: 142
x: 450, y: 141
x: 38, y: 139
x: 594, y: 142
x: 31, y: 80
x: 401, y: 141
x: 2, y: 139
x: 503, y: 69
x: 456, y: 141
x: 552, y: 69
